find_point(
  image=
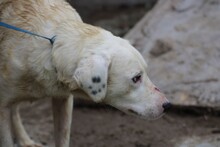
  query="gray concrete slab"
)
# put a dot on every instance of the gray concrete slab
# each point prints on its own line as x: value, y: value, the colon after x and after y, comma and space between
x: 180, y: 39
x: 199, y: 141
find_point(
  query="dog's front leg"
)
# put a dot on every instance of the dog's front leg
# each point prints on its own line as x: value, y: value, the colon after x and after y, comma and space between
x: 19, y: 130
x: 62, y: 113
x: 5, y: 129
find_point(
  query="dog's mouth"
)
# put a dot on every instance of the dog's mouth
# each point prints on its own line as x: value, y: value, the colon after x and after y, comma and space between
x: 133, y: 113
x: 148, y: 114
x: 130, y: 111
x: 149, y: 117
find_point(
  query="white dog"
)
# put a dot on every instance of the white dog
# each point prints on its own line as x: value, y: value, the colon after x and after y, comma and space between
x: 83, y: 60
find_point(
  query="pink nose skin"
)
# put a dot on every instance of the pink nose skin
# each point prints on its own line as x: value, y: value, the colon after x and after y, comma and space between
x: 155, y: 88
x: 166, y: 105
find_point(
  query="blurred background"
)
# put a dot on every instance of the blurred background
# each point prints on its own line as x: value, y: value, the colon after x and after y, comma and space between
x: 180, y: 40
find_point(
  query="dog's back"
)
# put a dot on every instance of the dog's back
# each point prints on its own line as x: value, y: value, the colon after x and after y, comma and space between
x: 38, y: 16
x: 23, y: 58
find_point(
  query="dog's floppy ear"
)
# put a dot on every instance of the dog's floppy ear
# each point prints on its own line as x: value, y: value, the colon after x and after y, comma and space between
x: 91, y: 76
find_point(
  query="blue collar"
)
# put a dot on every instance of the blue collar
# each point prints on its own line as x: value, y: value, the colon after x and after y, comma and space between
x: 27, y: 32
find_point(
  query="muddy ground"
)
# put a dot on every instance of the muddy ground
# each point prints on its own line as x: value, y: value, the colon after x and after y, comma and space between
x: 106, y: 127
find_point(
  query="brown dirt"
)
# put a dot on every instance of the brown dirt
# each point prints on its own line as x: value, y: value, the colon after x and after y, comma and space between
x: 104, y: 127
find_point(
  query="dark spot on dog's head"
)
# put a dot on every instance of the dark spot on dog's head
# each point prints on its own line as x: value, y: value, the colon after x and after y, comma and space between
x: 96, y: 79
x: 103, y: 86
x: 94, y: 92
x: 90, y: 87
x: 100, y: 90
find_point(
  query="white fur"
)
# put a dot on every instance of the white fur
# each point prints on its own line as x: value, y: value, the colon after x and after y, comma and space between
x: 31, y: 68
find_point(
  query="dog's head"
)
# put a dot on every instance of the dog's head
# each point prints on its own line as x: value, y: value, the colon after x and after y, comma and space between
x: 130, y: 89
x: 117, y: 75
x: 110, y: 70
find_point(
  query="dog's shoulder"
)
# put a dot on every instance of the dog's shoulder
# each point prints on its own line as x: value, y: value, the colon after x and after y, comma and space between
x: 32, y: 13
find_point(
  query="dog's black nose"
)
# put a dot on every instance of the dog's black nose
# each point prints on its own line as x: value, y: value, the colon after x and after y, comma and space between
x: 166, y: 106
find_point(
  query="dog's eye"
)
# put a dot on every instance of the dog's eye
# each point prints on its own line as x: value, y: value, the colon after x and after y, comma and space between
x: 137, y: 78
